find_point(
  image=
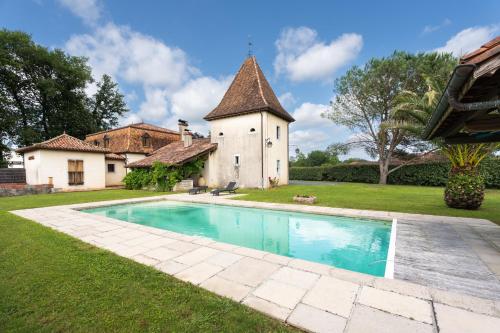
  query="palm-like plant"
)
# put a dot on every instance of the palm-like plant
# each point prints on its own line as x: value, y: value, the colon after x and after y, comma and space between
x: 465, y: 187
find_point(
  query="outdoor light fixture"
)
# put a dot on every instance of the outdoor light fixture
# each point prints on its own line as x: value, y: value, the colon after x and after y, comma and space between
x: 269, y: 143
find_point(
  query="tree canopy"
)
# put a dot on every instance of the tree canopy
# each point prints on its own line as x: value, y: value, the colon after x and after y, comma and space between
x: 314, y: 158
x: 366, y: 97
x: 42, y: 94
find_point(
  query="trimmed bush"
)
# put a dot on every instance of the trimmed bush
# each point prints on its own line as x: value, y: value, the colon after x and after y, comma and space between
x: 464, y: 190
x: 428, y: 174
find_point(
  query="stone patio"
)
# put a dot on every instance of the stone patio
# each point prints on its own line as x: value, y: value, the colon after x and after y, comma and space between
x: 312, y: 296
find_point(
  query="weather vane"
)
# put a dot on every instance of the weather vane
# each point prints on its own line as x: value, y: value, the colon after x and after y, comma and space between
x: 250, y: 44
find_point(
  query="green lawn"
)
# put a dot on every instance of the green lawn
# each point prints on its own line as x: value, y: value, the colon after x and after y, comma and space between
x: 50, y: 282
x: 397, y: 198
x: 44, y: 200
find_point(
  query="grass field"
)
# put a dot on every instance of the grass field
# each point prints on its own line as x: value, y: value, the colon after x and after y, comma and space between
x: 396, y: 198
x: 50, y: 282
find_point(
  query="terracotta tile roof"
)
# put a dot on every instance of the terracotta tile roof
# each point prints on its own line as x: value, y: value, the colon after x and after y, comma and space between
x: 175, y: 153
x: 113, y: 156
x: 249, y: 92
x: 64, y: 142
x: 146, y: 126
x: 128, y: 139
x: 485, y: 52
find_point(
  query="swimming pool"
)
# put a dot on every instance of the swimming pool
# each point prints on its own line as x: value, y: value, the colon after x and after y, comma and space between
x: 355, y: 244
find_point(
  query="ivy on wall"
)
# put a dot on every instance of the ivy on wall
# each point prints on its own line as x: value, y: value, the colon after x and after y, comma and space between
x: 161, y: 177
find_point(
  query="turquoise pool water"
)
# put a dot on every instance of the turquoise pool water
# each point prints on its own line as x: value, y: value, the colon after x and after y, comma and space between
x: 356, y: 244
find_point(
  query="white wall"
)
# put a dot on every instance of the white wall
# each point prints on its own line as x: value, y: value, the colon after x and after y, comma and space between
x: 54, y: 163
x: 133, y: 157
x: 278, y: 151
x: 32, y: 161
x: 238, y: 140
x: 115, y: 178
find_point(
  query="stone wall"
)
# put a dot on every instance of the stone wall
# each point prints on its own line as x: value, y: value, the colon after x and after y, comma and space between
x: 13, y: 189
x: 13, y: 175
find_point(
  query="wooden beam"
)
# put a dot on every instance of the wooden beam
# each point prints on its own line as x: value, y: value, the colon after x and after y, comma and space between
x: 464, y: 138
x: 485, y: 123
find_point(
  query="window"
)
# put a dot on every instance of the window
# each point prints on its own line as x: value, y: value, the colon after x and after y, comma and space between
x: 75, y: 172
x: 106, y: 142
x: 252, y: 130
x: 221, y: 134
x: 146, y: 140
x: 278, y: 132
x: 97, y: 143
x: 278, y: 167
x: 111, y: 167
x: 237, y: 160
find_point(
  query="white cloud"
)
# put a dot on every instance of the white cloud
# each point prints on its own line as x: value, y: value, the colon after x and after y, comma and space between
x: 155, y: 106
x: 171, y: 86
x: 309, y: 115
x: 432, y: 28
x: 132, y: 57
x: 194, y: 100
x: 88, y: 10
x: 469, y: 39
x: 287, y: 100
x: 301, y: 56
x: 131, y: 118
x: 307, y: 140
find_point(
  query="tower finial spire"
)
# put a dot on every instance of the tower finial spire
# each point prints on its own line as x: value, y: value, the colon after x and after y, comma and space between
x: 250, y: 45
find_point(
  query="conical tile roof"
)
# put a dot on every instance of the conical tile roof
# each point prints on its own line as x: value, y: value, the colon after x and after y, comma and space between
x: 249, y: 92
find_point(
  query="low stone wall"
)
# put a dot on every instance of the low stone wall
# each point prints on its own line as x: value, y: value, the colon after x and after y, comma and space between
x: 12, y: 189
x: 12, y: 175
x: 183, y: 185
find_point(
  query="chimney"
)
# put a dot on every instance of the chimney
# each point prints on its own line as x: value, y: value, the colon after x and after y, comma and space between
x: 188, y: 138
x: 182, y: 127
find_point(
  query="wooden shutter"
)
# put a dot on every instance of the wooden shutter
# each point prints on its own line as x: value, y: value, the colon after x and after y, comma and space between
x: 75, y: 172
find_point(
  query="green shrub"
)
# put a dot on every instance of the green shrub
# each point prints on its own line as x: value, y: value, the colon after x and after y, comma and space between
x: 428, y: 174
x: 161, y: 177
x: 137, y: 179
x: 464, y: 190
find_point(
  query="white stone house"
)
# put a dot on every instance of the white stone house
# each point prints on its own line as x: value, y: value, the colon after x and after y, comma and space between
x: 249, y: 138
x: 65, y: 162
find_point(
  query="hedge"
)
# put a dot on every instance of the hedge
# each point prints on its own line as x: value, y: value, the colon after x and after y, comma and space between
x: 428, y: 174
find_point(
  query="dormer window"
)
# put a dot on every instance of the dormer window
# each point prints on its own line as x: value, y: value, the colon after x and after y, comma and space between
x: 146, y: 140
x: 106, y: 141
x: 97, y: 143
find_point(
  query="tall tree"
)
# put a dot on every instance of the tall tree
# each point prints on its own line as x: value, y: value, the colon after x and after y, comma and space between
x: 42, y: 93
x: 107, y: 104
x: 365, y: 98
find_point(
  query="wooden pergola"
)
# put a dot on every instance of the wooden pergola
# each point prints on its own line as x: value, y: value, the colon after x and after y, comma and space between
x: 468, y: 111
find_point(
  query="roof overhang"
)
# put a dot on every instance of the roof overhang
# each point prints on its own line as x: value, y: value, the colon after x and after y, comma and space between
x: 468, y: 109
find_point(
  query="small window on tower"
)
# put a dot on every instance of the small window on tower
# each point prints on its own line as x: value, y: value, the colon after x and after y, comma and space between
x: 221, y: 134
x: 252, y: 130
x: 278, y: 132
x: 237, y: 160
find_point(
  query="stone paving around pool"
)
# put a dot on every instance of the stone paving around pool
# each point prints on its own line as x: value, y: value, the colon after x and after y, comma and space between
x: 311, y: 296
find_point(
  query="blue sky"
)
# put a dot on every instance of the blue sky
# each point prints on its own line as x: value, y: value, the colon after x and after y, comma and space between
x: 175, y: 59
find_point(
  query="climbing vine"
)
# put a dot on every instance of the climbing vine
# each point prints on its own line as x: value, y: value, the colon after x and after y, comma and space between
x: 162, y: 177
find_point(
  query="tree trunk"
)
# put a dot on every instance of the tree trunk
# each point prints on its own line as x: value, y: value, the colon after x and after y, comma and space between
x: 384, y: 172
